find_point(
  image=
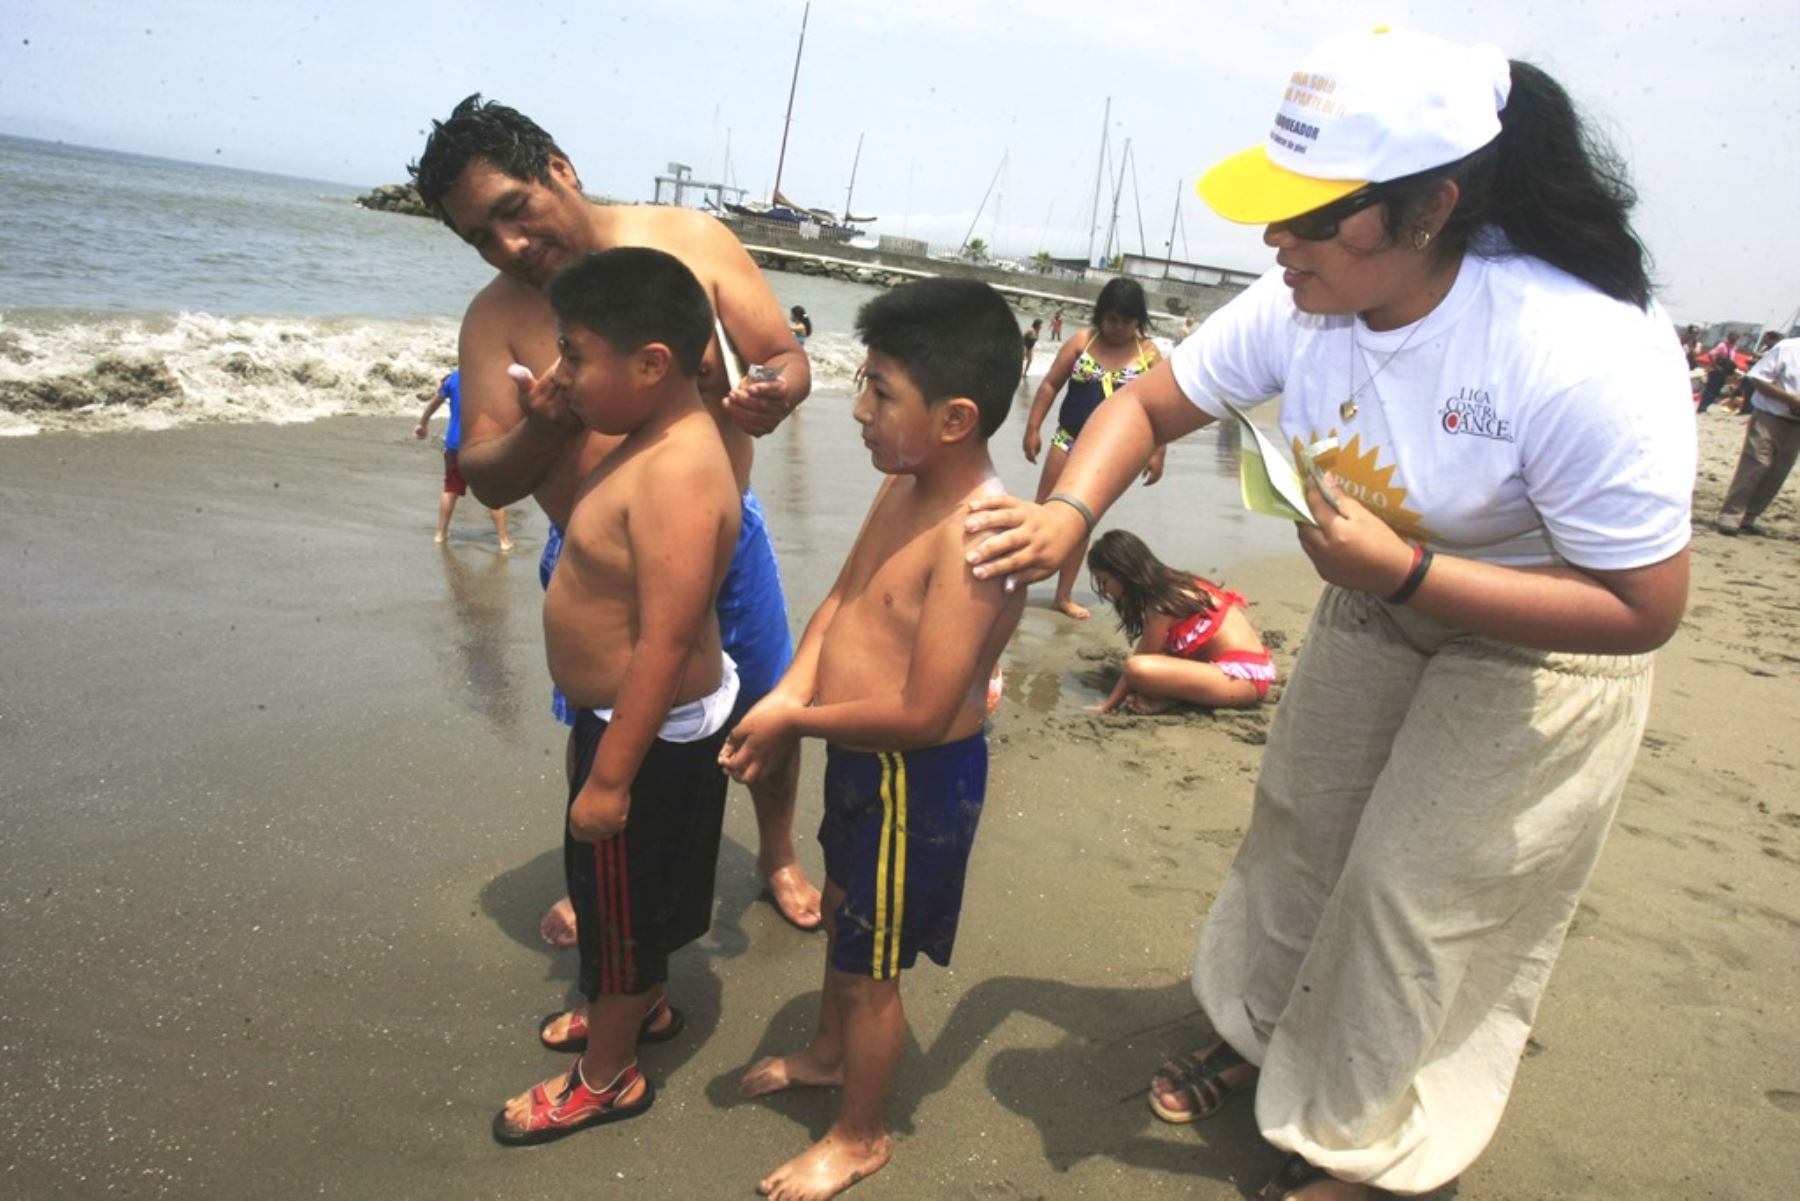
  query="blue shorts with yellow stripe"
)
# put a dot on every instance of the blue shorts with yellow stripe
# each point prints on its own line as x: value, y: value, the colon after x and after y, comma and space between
x: 897, y: 831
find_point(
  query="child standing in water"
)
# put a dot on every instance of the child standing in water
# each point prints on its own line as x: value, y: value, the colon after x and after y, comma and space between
x: 1195, y: 643
x: 450, y: 389
x: 893, y: 673
x: 633, y: 642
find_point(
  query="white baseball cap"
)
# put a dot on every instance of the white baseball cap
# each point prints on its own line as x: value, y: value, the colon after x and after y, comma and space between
x: 1364, y: 108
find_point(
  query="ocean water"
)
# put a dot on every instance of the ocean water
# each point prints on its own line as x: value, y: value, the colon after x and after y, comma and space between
x: 139, y: 293
x: 142, y: 294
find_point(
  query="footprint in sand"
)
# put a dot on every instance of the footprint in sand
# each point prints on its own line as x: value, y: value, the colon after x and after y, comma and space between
x: 1781, y: 1098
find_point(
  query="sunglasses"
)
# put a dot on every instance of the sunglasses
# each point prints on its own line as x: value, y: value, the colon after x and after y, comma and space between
x: 1322, y: 223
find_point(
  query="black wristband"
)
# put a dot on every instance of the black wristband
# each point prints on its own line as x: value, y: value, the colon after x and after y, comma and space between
x: 1414, y: 578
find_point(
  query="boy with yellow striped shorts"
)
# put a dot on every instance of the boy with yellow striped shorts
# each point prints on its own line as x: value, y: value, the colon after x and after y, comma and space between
x: 892, y: 672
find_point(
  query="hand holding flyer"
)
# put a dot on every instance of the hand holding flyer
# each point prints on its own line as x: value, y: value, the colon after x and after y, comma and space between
x: 1270, y: 484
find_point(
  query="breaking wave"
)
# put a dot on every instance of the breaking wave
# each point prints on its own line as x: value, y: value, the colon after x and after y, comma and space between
x: 78, y: 371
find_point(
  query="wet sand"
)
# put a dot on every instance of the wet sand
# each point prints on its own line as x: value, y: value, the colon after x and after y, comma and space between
x: 280, y: 807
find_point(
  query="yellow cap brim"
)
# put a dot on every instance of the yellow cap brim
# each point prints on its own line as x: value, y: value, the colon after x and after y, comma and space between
x: 1250, y: 189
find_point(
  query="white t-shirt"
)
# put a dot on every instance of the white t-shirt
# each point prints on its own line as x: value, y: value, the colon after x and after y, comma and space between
x: 1780, y: 365
x: 1527, y: 419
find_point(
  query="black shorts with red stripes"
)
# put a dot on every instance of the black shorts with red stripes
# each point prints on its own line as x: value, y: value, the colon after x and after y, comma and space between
x: 648, y: 891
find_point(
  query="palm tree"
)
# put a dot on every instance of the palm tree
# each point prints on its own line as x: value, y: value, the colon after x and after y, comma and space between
x: 1043, y: 262
x: 976, y: 250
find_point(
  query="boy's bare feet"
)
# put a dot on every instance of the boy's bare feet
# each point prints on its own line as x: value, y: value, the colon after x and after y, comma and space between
x: 439, y: 539
x: 826, y: 1168
x: 1071, y: 609
x: 779, y: 1072
x: 506, y: 544
x: 558, y: 925
x: 794, y: 896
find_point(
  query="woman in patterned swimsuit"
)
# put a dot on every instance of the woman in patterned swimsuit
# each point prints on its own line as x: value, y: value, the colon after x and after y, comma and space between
x: 1094, y: 364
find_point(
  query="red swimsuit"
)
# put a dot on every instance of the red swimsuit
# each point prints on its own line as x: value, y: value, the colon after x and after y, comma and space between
x: 1188, y: 638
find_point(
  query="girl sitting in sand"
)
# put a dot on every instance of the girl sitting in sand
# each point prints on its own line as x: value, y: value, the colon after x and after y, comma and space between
x: 1195, y: 644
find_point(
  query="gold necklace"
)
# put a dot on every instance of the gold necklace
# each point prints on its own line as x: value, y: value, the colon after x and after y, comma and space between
x: 1348, y: 409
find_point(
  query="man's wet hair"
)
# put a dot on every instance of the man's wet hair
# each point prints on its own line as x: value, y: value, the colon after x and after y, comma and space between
x: 632, y: 296
x: 952, y: 337
x: 484, y: 129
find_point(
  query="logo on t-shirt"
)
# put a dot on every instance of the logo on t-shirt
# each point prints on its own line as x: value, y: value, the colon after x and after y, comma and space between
x: 1471, y: 411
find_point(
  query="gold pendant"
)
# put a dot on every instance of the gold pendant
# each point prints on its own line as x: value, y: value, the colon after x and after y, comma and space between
x: 1347, y: 410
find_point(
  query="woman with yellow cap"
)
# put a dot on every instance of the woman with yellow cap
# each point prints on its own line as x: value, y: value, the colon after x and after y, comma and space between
x: 1503, y: 536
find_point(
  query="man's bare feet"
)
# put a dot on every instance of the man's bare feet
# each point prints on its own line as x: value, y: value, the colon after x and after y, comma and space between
x: 794, y: 896
x: 779, y: 1072
x: 558, y: 925
x: 826, y: 1168
x: 1069, y: 608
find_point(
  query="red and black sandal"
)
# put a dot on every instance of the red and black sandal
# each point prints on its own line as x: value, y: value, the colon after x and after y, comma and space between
x: 575, y: 1107
x: 576, y: 1038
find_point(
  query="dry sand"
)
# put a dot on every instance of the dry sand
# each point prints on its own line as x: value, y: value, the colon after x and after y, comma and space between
x: 280, y: 797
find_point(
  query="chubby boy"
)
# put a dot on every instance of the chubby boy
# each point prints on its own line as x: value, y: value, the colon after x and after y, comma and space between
x: 892, y: 672
x: 633, y: 642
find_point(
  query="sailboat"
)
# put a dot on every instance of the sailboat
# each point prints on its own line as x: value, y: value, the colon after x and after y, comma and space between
x: 779, y: 208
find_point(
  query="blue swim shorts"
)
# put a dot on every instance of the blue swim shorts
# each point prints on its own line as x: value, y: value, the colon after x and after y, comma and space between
x: 753, y: 620
x: 897, y: 831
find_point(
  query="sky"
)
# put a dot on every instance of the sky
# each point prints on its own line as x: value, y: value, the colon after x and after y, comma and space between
x: 950, y: 98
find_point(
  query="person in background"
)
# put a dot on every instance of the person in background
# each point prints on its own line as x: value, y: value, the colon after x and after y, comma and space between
x: 1771, y: 438
x: 1094, y: 364
x: 1194, y: 641
x: 1744, y: 391
x: 1721, y: 362
x: 1030, y: 338
x: 449, y: 390
x: 1056, y: 326
x: 1501, y: 556
x: 799, y: 324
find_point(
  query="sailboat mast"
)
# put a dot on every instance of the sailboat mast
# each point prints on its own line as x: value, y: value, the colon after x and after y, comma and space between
x: 984, y: 200
x: 1099, y: 170
x: 793, y: 85
x: 1112, y: 227
x: 850, y: 191
x: 1169, y: 256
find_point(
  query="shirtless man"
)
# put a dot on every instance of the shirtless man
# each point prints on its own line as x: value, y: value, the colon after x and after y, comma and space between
x: 501, y: 182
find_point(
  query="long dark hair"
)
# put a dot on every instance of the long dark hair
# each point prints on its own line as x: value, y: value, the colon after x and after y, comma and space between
x: 1146, y: 584
x: 1124, y: 297
x: 1555, y: 188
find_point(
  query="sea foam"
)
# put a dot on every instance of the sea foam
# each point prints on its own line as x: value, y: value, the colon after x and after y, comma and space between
x: 63, y: 370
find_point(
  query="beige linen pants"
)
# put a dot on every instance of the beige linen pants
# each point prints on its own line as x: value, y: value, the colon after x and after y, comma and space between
x: 1430, y: 808
x: 1771, y: 444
